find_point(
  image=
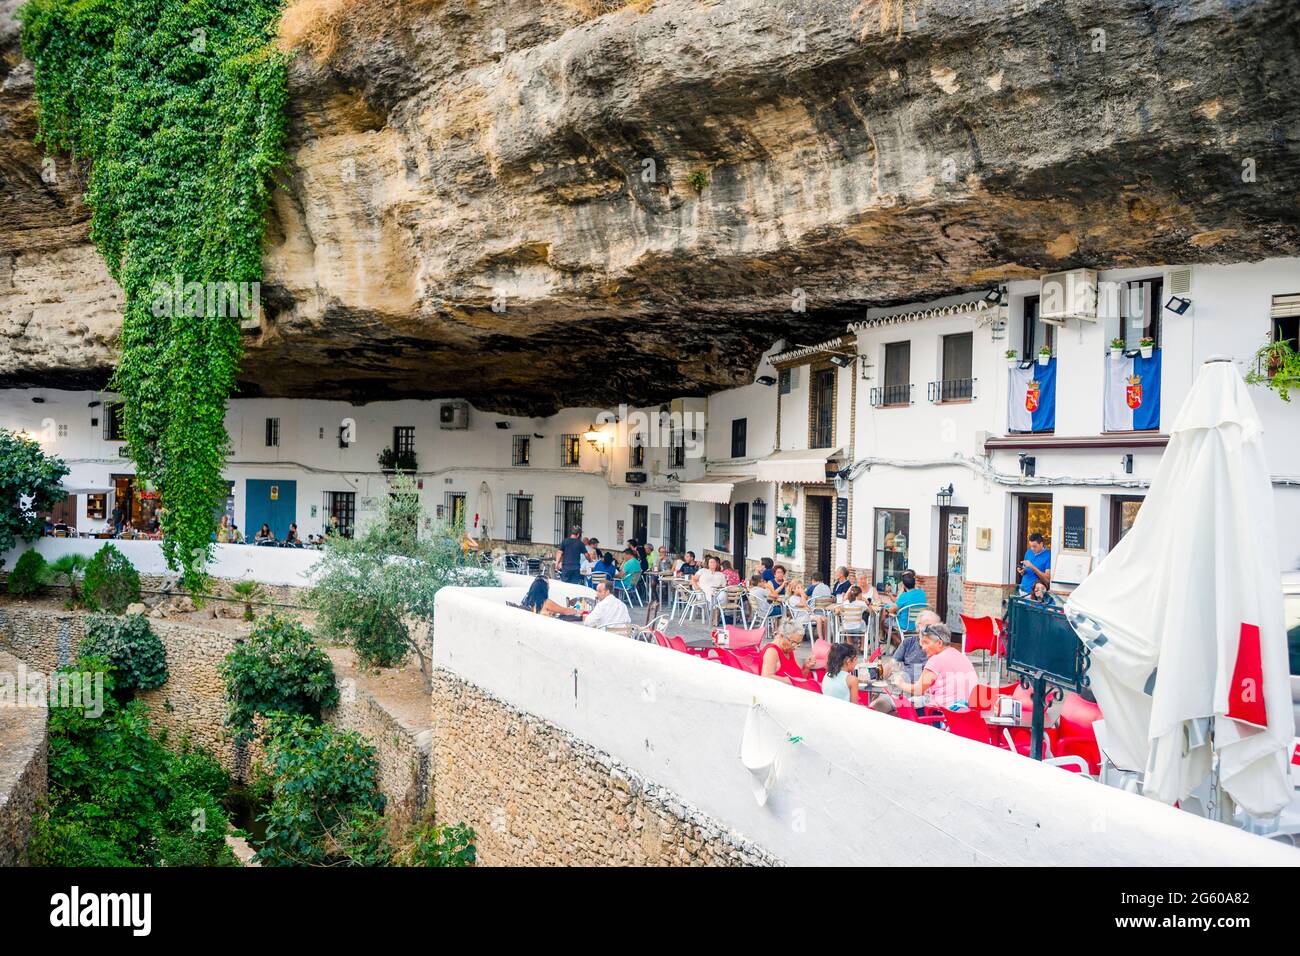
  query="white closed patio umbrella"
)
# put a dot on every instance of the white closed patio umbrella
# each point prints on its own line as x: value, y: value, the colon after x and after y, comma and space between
x: 1183, y: 618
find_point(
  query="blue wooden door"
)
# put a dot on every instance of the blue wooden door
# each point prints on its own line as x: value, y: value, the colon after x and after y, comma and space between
x: 272, y: 502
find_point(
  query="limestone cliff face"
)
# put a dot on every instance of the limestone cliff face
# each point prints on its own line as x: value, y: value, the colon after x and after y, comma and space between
x: 542, y: 202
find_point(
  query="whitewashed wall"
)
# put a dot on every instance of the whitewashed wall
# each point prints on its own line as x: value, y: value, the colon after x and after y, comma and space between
x: 859, y: 788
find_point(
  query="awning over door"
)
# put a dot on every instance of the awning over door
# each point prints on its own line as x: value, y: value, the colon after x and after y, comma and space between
x: 714, y: 488
x: 804, y: 466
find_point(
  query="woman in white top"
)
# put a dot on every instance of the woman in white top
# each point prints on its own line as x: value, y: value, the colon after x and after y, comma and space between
x: 710, y: 578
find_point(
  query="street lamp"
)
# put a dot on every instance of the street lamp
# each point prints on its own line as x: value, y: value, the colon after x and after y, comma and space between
x: 595, y: 438
x: 945, y: 496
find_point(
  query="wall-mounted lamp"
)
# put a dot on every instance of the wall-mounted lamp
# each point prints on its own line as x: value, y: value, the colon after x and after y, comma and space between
x: 1027, y: 464
x: 993, y: 296
x: 503, y: 425
x: 595, y: 438
x: 766, y: 380
x: 37, y: 400
x: 944, y: 497
x: 1126, y: 462
x: 1178, y: 305
x: 842, y: 361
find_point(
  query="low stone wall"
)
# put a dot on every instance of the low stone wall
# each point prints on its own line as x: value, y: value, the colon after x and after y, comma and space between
x: 23, y: 770
x: 191, y: 705
x: 537, y: 795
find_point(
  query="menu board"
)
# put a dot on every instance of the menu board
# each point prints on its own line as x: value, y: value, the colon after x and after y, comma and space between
x: 841, y: 517
x: 1074, y: 532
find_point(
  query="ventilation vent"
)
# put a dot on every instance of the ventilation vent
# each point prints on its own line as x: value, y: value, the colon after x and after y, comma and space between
x: 1180, y: 281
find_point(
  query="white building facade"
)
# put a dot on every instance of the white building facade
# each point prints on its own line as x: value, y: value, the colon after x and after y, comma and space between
x: 908, y: 440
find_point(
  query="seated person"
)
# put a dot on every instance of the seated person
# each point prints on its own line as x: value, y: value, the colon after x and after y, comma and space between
x: 853, y: 613
x: 730, y: 574
x: 609, y: 609
x: 778, y: 588
x: 223, y: 530
x: 1041, y: 595
x: 911, y: 597
x: 665, y: 559
x: 631, y: 564
x: 709, y: 579
x: 264, y: 535
x: 840, y: 682
x: 538, y: 601
x: 948, y: 677
x: 767, y: 574
x: 606, y: 566
x: 587, y: 562
x: 236, y: 536
x: 778, y: 658
x: 688, y: 568
x: 909, y: 658
x: 842, y: 583
x: 818, y: 588
x: 761, y: 600
x: 801, y: 611
x: 291, y: 539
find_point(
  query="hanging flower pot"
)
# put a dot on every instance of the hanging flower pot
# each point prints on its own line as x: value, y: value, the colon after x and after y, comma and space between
x: 1044, y: 356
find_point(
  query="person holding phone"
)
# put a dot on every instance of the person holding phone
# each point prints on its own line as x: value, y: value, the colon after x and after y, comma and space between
x: 1035, y: 566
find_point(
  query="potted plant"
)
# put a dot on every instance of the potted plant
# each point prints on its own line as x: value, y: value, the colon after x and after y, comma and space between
x: 1277, y: 366
x: 1147, y: 346
x: 1013, y: 358
x: 1044, y: 355
x: 1116, y: 348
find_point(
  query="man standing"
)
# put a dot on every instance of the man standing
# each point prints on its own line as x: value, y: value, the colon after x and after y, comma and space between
x: 568, y: 557
x: 609, y: 609
x: 1036, y: 565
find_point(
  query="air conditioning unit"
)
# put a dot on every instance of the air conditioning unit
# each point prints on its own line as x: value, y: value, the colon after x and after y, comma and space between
x: 1068, y: 295
x: 635, y: 477
x: 453, y: 416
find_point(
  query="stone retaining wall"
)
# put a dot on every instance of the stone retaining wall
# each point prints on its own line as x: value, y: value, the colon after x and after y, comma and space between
x: 191, y: 705
x: 23, y: 770
x: 537, y: 795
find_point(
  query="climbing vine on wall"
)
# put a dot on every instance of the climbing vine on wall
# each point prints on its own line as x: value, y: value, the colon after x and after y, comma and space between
x: 178, y: 108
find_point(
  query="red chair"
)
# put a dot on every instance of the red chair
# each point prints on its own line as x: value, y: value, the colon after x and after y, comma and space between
x: 806, y: 683
x: 678, y: 644
x: 981, y: 634
x: 904, y: 708
x: 741, y: 662
x: 739, y: 638
x: 982, y: 697
x: 1074, y: 734
x: 969, y: 724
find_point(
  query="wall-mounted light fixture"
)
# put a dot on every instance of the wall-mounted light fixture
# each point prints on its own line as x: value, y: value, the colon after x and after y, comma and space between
x: 944, y: 497
x: 1027, y: 464
x: 595, y: 438
x: 1177, y: 304
x: 867, y: 368
x: 1126, y: 462
x: 842, y: 361
x: 503, y: 425
x: 765, y: 380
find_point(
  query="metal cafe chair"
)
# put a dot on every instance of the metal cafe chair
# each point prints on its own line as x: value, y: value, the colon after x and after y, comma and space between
x: 730, y: 600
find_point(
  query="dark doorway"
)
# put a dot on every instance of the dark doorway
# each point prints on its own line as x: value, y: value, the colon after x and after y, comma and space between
x: 739, y: 536
x: 825, y: 535
x: 676, y: 516
x: 1033, y: 515
x: 952, y: 566
x: 640, y: 523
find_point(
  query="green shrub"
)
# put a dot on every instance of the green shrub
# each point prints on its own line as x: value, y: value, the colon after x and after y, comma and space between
x: 448, y: 845
x: 325, y: 799
x: 112, y: 582
x: 28, y: 574
x: 68, y: 569
x: 278, y: 669
x: 132, y: 649
x: 117, y: 797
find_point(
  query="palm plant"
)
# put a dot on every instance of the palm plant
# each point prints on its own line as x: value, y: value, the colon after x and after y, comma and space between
x: 69, y: 567
x: 248, y: 592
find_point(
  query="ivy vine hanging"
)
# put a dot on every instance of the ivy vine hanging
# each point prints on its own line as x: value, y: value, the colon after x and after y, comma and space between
x: 178, y: 107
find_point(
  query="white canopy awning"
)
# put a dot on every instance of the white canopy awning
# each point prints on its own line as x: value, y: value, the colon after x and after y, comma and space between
x: 86, y: 490
x: 714, y: 488
x: 806, y: 465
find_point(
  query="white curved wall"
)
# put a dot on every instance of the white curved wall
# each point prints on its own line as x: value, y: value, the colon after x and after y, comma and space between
x: 860, y: 788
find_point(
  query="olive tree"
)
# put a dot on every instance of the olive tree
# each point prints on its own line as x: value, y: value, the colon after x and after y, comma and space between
x: 370, y: 591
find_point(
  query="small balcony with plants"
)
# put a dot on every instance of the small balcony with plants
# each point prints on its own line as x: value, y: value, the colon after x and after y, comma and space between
x: 392, y: 462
